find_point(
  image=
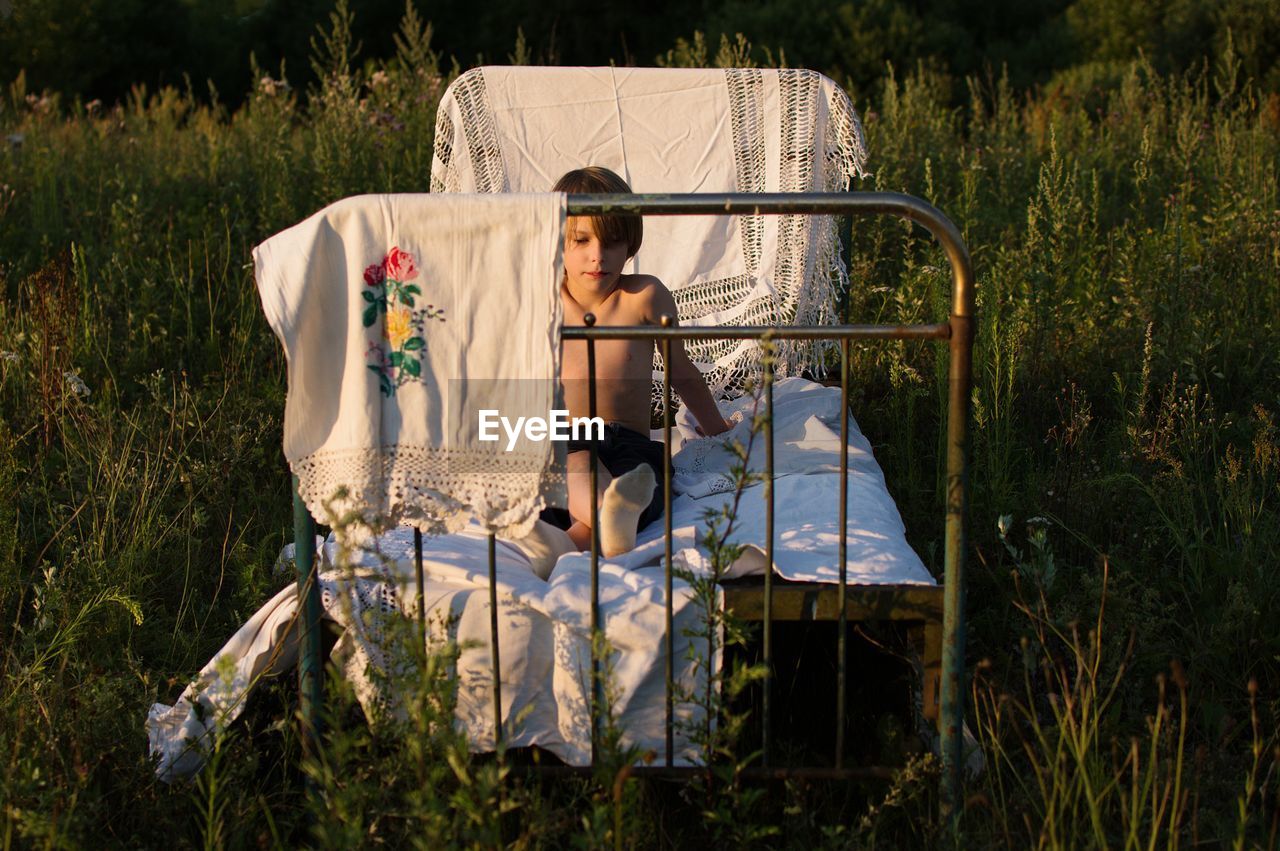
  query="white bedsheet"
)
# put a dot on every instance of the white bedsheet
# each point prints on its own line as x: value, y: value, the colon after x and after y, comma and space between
x: 806, y: 427
x: 545, y: 625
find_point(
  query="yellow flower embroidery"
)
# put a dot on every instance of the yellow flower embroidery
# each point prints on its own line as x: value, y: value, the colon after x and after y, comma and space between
x: 388, y: 294
x: 399, y: 327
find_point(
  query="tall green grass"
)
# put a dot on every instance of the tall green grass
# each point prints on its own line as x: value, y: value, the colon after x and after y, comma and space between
x: 1126, y: 236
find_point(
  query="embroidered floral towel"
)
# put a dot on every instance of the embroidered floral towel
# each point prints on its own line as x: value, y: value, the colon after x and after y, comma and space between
x: 402, y: 317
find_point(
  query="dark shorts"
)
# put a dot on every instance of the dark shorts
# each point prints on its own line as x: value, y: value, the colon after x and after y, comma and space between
x: 621, y: 451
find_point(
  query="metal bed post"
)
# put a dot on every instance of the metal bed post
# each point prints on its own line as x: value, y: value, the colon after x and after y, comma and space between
x: 665, y: 346
x: 493, y: 644
x: 597, y: 686
x: 960, y: 378
x: 310, y: 673
x: 842, y: 637
x: 766, y: 708
x: 422, y: 586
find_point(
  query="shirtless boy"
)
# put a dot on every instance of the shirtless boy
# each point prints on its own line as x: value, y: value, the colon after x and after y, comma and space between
x: 630, y: 468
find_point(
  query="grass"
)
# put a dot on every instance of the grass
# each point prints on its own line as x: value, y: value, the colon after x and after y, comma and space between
x: 1125, y: 479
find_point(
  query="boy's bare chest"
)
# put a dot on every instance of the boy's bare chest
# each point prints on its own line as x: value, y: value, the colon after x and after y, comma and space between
x: 623, y: 376
x: 614, y: 359
x: 623, y: 370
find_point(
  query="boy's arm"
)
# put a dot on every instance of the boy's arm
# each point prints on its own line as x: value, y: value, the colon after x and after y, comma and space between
x: 685, y: 377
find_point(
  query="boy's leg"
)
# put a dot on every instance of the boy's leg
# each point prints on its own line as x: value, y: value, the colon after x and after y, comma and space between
x: 543, y: 546
x: 624, y: 501
x: 578, y: 469
x: 629, y: 450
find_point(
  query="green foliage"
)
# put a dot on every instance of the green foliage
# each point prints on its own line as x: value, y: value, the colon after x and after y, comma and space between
x: 731, y: 809
x: 99, y: 50
x: 1124, y: 229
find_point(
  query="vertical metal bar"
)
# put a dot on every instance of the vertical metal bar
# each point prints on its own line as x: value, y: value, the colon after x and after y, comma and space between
x: 666, y: 528
x: 846, y: 295
x: 842, y: 639
x: 493, y: 643
x: 766, y: 715
x: 960, y: 372
x: 498, y: 736
x: 422, y: 586
x: 310, y: 672
x: 597, y: 698
x: 953, y: 632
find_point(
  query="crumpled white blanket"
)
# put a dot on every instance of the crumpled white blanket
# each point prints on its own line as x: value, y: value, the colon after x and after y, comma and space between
x: 544, y: 649
x: 544, y: 626
x: 806, y: 426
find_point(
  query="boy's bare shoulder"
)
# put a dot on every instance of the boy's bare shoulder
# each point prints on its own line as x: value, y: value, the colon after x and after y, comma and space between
x: 649, y: 297
x: 640, y: 285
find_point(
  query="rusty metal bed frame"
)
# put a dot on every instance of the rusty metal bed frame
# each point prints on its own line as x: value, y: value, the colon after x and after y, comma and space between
x: 934, y: 615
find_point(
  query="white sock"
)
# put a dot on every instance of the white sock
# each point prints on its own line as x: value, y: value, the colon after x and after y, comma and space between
x: 624, y: 501
x: 544, y: 545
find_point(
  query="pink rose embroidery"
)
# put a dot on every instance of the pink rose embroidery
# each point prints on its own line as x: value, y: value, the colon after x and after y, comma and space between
x: 399, y: 265
x: 398, y: 357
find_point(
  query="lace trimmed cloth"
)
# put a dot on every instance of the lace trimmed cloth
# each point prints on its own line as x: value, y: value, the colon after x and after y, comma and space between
x: 402, y: 318
x: 519, y: 129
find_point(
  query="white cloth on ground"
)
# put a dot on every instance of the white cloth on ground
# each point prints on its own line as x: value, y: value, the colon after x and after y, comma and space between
x: 664, y: 130
x: 402, y: 316
x: 265, y: 646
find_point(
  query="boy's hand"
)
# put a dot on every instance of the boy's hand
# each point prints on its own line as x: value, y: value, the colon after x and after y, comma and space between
x: 725, y: 425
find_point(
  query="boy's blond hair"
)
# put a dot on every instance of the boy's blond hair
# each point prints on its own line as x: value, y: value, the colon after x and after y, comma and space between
x: 596, y: 180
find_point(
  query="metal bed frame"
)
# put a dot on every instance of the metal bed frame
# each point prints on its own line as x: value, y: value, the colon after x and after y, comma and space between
x: 934, y: 615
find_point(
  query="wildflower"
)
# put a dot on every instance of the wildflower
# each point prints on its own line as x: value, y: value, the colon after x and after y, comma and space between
x: 93, y: 106
x: 10, y: 357
x: 76, y: 383
x: 39, y: 103
x: 379, y: 78
x: 1004, y: 523
x: 271, y: 88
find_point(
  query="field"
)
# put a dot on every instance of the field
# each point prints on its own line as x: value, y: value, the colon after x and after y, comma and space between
x: 1125, y: 513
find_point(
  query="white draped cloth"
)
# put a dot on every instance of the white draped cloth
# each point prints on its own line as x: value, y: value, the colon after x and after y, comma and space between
x: 402, y: 317
x: 518, y: 129
x: 545, y: 625
x: 544, y: 641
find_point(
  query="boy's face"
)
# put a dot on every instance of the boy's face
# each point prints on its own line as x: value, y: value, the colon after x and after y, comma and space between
x: 591, y: 266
